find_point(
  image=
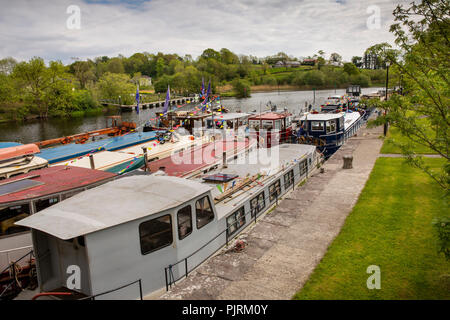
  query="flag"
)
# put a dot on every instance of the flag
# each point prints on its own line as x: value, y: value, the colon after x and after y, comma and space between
x: 166, y: 103
x: 137, y: 99
x: 219, y: 187
x: 208, y: 92
x: 203, y: 87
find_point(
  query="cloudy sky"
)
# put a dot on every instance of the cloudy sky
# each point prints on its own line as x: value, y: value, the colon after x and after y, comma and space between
x: 258, y: 27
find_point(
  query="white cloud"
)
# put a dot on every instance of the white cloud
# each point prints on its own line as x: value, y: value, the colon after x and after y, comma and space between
x: 256, y: 27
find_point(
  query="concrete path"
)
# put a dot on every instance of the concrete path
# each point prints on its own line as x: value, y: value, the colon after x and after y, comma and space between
x: 286, y: 245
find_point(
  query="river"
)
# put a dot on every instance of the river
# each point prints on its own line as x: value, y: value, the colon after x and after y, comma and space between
x: 38, y: 130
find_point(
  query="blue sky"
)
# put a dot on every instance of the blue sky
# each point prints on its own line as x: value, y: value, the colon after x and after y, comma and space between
x: 258, y: 27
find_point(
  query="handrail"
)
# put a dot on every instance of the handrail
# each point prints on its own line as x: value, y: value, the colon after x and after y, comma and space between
x: 15, y: 262
x: 169, y: 275
x: 116, y: 289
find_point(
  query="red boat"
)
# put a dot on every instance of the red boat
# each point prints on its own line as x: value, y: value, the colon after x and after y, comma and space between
x: 277, y: 125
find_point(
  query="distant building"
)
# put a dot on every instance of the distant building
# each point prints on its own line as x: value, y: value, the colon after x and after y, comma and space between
x: 145, y: 81
x: 309, y: 62
x: 287, y: 64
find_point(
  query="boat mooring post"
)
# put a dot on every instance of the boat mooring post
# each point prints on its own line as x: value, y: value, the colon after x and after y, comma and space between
x: 91, y: 159
x: 224, y: 159
x: 144, y: 150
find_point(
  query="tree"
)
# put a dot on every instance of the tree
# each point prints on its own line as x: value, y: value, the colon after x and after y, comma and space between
x: 335, y: 58
x: 422, y: 114
x: 7, y: 65
x: 34, y: 79
x: 83, y: 72
x: 211, y: 54
x: 357, y: 61
x: 241, y: 88
x: 113, y: 85
x: 350, y: 69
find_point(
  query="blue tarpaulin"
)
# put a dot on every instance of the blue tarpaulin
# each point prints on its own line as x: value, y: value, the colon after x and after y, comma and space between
x: 71, y: 151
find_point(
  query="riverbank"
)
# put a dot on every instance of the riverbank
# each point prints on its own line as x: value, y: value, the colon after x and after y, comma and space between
x: 227, y: 91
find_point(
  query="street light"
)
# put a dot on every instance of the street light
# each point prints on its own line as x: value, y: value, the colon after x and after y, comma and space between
x: 388, y: 63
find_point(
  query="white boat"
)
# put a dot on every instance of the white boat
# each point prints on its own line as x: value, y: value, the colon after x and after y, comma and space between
x: 136, y: 236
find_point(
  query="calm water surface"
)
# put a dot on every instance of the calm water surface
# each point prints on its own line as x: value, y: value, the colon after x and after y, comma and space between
x: 39, y: 130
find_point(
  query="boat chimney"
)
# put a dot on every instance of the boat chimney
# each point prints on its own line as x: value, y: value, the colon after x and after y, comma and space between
x: 144, y: 151
x: 224, y: 159
x: 91, y: 159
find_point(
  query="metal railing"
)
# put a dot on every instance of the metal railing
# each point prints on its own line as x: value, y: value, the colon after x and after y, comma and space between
x: 8, y: 253
x: 139, y: 281
x: 13, y: 271
x: 168, y: 271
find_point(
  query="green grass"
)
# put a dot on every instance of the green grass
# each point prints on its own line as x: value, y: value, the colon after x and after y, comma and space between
x: 391, y: 227
x: 395, y: 135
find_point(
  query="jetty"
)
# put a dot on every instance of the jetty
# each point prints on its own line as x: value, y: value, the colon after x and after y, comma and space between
x: 147, y: 105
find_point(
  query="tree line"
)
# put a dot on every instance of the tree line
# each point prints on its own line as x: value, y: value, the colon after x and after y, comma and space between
x: 34, y: 88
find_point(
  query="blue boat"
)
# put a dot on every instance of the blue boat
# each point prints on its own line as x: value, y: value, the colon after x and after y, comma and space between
x: 73, y: 150
x: 328, y: 131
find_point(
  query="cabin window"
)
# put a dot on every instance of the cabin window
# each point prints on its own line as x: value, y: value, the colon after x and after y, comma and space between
x: 317, y: 126
x: 155, y: 234
x: 184, y: 217
x: 204, y: 212
x: 254, y: 124
x: 341, y: 123
x: 236, y: 221
x: 288, y: 179
x: 277, y: 125
x: 303, y: 167
x: 331, y: 126
x: 274, y: 190
x: 42, y: 204
x: 10, y: 215
x: 257, y: 204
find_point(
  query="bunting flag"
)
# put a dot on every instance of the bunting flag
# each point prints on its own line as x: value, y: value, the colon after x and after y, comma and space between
x: 203, y: 87
x: 166, y: 103
x: 137, y: 99
x: 219, y: 187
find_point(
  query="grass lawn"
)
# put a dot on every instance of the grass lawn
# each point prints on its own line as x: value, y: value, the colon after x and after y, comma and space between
x: 390, y: 227
x: 394, y: 134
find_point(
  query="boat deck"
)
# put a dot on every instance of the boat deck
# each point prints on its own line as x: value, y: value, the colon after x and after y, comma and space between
x: 50, y: 181
x: 193, y: 160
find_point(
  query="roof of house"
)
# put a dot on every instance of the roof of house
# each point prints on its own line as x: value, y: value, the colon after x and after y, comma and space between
x: 112, y: 204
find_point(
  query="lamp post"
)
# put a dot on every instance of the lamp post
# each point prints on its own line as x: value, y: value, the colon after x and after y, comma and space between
x: 386, y: 96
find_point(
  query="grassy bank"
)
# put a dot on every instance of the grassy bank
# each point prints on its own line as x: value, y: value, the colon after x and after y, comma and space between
x: 391, y: 227
x: 395, y: 137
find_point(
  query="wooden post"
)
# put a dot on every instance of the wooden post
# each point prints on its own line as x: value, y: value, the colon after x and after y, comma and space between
x: 224, y: 159
x: 348, y: 159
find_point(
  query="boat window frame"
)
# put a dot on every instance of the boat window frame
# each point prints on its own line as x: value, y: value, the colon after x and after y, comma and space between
x: 178, y: 222
x: 238, y: 222
x: 303, y: 166
x: 258, y: 208
x: 329, y: 125
x: 321, y: 126
x: 274, y: 195
x: 161, y: 247
x: 290, y: 178
x: 196, y: 213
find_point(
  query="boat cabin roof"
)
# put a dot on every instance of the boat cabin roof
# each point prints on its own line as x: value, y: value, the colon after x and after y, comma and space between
x: 9, y: 144
x: 47, y: 181
x: 270, y: 116
x: 231, y: 116
x: 322, y: 116
x: 287, y: 154
x: 112, y: 204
